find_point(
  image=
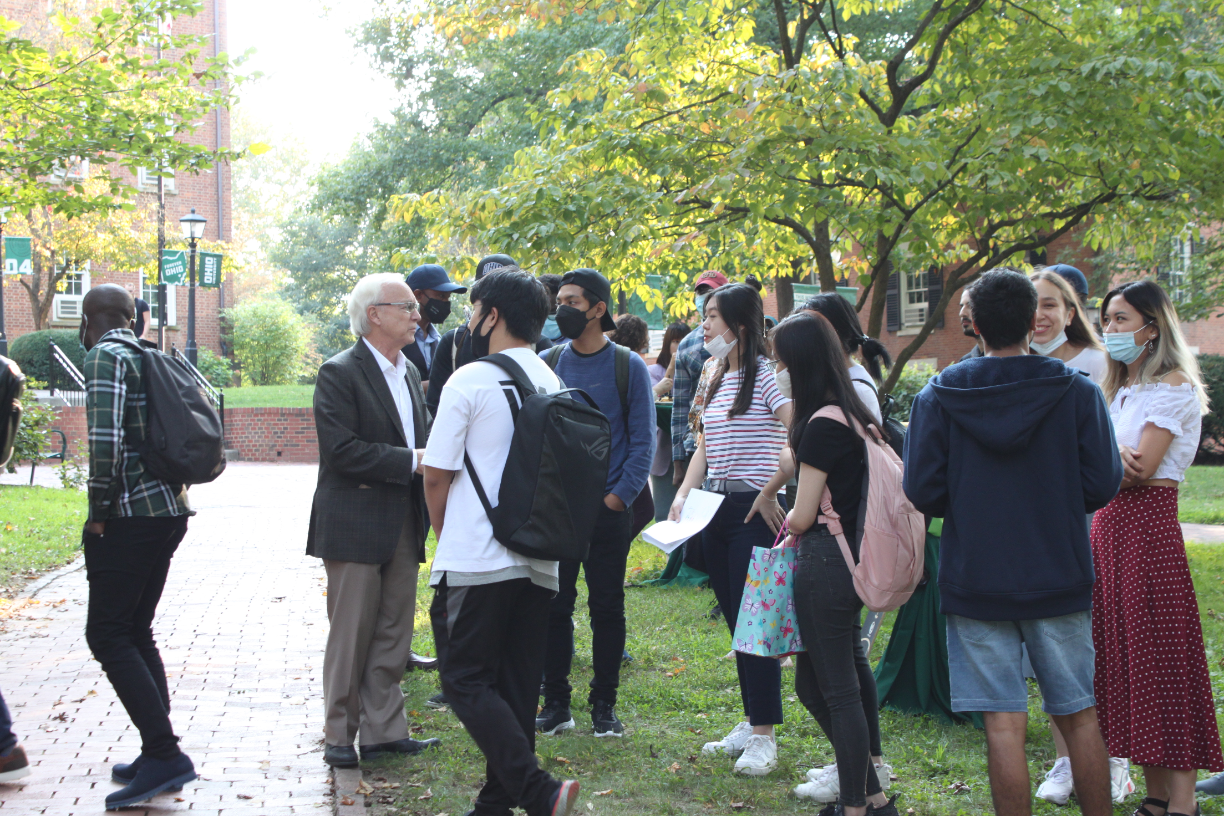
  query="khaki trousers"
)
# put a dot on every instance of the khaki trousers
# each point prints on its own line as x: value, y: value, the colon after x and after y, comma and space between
x: 371, y: 609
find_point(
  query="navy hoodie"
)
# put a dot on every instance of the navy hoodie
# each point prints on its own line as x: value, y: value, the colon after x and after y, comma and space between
x: 1012, y: 452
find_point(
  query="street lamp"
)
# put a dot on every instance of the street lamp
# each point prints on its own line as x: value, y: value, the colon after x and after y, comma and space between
x: 193, y: 230
x: 3, y: 336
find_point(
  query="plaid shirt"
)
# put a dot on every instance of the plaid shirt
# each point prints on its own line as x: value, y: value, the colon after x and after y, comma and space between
x: 116, y: 410
x: 690, y: 356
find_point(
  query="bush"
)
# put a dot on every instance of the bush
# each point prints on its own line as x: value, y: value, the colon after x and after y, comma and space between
x: 273, y: 343
x: 1211, y: 443
x: 219, y: 371
x: 913, y: 379
x: 32, y: 353
x: 36, y: 420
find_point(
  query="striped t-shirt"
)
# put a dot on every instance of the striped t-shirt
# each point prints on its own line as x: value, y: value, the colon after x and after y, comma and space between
x: 745, y: 447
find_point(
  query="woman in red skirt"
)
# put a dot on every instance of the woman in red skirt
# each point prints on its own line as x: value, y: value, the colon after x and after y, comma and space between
x: 1152, y: 687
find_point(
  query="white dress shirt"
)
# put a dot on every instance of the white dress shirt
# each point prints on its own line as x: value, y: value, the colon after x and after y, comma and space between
x: 396, y: 376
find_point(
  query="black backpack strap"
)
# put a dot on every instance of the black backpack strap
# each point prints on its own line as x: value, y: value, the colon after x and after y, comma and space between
x: 554, y: 356
x: 480, y: 491
x: 521, y: 381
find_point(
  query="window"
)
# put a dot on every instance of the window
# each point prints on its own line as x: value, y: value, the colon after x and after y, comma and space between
x: 73, y: 170
x: 75, y: 283
x: 149, y: 292
x: 914, y: 298
x: 146, y: 179
x: 1181, y: 256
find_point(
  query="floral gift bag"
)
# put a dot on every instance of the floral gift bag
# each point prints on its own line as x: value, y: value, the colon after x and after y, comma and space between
x: 766, y: 623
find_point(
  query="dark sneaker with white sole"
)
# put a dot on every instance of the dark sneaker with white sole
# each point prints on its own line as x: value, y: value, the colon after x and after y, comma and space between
x: 125, y: 772
x: 605, y: 721
x: 14, y: 765
x: 554, y: 718
x: 565, y: 799
x: 889, y: 808
x: 437, y: 701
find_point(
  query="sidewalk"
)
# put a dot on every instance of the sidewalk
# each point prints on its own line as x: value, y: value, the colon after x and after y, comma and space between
x: 241, y: 628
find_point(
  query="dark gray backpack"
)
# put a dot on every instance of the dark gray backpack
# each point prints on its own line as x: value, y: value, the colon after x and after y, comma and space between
x: 12, y: 384
x: 183, y: 442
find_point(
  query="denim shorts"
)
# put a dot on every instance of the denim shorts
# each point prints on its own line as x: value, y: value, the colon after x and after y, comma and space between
x: 986, y: 671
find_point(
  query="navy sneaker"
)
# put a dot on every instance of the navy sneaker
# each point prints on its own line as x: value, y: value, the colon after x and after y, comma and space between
x: 125, y: 772
x: 605, y: 721
x: 153, y: 777
x: 554, y: 718
x: 564, y: 800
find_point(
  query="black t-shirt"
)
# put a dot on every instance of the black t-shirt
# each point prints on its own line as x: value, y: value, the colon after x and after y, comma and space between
x: 837, y: 450
x: 445, y: 361
x: 142, y: 319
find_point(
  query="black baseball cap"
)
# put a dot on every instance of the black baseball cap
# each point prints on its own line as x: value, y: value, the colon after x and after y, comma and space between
x: 432, y: 276
x: 491, y: 262
x: 597, y: 285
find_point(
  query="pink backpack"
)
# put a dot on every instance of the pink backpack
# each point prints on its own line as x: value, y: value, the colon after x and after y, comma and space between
x: 894, y: 535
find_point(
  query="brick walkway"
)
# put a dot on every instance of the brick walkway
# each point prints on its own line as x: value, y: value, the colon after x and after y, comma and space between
x: 241, y: 627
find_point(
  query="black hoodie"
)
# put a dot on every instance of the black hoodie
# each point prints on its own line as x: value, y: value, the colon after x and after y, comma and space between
x: 1012, y: 452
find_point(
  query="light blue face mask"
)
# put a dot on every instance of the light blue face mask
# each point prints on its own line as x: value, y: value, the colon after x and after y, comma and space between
x: 701, y: 302
x: 1121, y: 345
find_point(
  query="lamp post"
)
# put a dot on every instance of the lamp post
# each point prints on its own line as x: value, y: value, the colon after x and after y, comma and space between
x: 3, y: 336
x: 193, y: 230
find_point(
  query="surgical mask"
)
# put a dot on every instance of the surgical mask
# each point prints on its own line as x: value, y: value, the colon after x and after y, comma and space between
x: 550, y: 328
x: 1046, y: 348
x: 782, y: 378
x: 701, y: 302
x: 571, y: 321
x: 436, y: 311
x: 1121, y: 345
x: 480, y: 343
x: 719, y: 348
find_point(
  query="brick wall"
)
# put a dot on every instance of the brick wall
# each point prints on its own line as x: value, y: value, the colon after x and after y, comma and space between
x: 272, y: 434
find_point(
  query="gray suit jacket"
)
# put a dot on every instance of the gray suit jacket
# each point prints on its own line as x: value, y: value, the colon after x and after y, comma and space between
x: 367, y: 491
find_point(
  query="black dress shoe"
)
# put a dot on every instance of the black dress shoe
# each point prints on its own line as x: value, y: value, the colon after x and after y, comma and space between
x: 340, y: 756
x: 421, y: 663
x: 153, y: 777
x: 407, y: 746
x: 125, y: 772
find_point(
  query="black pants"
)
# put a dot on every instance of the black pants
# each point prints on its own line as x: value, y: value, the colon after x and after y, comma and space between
x: 127, y: 569
x: 7, y: 738
x: 490, y: 643
x: 604, y: 571
x: 832, y: 678
x: 728, y: 543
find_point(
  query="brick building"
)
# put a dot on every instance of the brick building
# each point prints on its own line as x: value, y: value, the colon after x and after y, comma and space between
x: 208, y: 193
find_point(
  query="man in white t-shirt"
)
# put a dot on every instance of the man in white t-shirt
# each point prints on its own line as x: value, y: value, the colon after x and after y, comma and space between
x: 490, y: 607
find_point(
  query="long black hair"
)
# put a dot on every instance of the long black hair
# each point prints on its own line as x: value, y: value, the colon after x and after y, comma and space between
x: 675, y: 333
x: 845, y: 321
x: 740, y: 307
x: 812, y: 352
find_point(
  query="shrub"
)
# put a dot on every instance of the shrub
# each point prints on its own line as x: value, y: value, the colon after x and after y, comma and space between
x: 271, y: 341
x: 1211, y: 443
x: 36, y: 420
x: 219, y: 371
x: 913, y: 379
x: 34, y: 355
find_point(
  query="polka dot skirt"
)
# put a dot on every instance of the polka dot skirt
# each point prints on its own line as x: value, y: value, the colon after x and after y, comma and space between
x: 1152, y: 687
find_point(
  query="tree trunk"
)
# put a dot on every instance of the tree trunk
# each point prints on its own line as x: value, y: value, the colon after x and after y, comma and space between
x: 879, y: 294
x: 785, y: 288
x: 824, y: 257
x: 622, y: 303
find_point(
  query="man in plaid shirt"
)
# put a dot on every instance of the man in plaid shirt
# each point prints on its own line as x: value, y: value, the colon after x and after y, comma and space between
x: 690, y: 356
x: 136, y: 522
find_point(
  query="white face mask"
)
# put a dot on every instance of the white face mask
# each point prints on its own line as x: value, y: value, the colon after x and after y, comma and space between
x: 719, y: 348
x: 1046, y: 348
x: 782, y: 378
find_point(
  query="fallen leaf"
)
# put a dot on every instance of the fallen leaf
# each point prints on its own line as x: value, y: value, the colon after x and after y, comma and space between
x: 363, y: 788
x: 608, y: 792
x: 347, y: 801
x: 179, y: 799
x: 703, y: 716
x: 562, y: 760
x: 742, y: 806
x: 674, y: 767
x: 428, y: 794
x: 245, y: 796
x: 415, y: 784
x: 265, y: 765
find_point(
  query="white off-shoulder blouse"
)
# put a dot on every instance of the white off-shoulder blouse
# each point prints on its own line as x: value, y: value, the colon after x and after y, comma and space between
x: 1172, y: 407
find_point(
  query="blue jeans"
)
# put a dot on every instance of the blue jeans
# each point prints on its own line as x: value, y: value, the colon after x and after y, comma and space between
x: 7, y: 738
x: 728, y: 544
x: 986, y: 671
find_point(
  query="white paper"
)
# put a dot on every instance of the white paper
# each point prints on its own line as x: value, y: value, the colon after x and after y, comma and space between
x: 699, y: 509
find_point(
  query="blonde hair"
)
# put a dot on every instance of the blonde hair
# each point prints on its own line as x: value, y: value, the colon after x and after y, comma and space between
x: 1169, y: 352
x: 1079, y: 332
x: 364, y: 295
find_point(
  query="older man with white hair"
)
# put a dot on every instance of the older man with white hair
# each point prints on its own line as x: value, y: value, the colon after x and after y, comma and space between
x: 367, y: 521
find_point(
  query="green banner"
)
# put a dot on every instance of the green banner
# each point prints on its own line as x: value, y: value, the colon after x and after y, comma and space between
x: 210, y: 269
x: 174, y: 267
x: 18, y: 257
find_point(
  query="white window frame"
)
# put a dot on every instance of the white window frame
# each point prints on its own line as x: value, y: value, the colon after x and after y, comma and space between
x: 912, y: 297
x: 1181, y: 256
x: 146, y: 179
x: 71, y: 301
x: 149, y: 293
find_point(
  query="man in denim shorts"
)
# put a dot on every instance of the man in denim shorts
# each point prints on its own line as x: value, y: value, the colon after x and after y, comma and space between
x: 1012, y: 449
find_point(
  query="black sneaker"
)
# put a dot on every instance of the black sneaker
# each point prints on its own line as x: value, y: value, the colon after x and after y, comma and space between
x: 889, y: 808
x: 437, y: 701
x: 14, y: 764
x: 554, y: 718
x: 603, y: 717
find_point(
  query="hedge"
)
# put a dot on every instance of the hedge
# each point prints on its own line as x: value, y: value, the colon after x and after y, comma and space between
x: 31, y: 352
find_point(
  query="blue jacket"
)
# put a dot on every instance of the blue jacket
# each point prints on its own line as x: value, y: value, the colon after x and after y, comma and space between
x: 1012, y: 452
x: 629, y: 463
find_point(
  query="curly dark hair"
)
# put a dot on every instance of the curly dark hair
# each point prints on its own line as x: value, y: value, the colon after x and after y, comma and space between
x: 630, y: 332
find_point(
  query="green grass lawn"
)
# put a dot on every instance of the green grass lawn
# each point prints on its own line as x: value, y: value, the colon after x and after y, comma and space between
x: 1201, y: 497
x: 270, y: 396
x: 40, y: 528
x: 678, y: 693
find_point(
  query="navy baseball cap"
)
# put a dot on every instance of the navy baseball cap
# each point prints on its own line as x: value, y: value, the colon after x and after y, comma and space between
x: 432, y: 276
x: 1074, y: 277
x: 489, y: 263
x: 597, y: 285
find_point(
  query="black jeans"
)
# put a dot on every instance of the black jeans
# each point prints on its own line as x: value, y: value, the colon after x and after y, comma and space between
x: 7, y: 738
x: 127, y: 568
x: 490, y: 645
x: 833, y: 680
x: 604, y: 570
x: 727, y: 543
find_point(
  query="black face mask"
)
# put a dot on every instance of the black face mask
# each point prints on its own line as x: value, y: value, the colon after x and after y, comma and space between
x: 572, y: 322
x: 480, y: 343
x: 436, y: 311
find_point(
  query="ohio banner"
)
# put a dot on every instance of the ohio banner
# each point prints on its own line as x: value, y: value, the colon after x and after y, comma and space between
x: 18, y: 258
x: 174, y: 267
x: 210, y: 269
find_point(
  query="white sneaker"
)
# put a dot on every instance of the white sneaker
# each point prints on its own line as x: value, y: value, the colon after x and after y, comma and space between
x: 733, y: 743
x: 823, y: 784
x: 1058, y: 783
x: 1119, y: 778
x: 760, y: 756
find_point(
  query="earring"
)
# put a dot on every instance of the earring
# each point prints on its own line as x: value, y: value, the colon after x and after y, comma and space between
x: 1151, y: 345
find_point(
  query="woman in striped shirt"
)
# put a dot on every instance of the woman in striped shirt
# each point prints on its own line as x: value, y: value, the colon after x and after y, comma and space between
x: 744, y: 422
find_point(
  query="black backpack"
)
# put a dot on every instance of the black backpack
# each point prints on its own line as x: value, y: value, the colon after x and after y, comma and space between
x: 183, y: 441
x: 12, y: 384
x: 896, y: 431
x: 555, y: 474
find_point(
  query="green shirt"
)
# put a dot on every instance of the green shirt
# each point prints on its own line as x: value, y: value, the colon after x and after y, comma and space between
x: 117, y: 412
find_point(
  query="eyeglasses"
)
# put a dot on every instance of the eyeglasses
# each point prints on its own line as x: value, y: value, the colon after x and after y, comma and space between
x: 408, y: 306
